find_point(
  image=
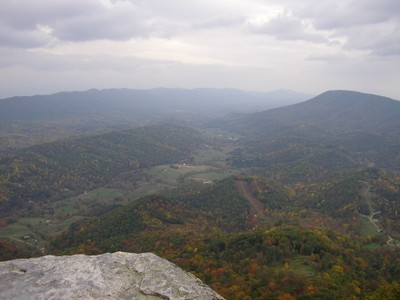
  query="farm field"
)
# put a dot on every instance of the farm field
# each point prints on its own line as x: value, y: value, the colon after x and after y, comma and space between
x: 59, y: 215
x: 366, y: 228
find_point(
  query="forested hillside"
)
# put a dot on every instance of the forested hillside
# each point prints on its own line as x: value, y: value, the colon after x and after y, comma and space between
x: 335, y: 131
x: 299, y: 202
x: 286, y: 251
x: 49, y: 171
x: 343, y: 111
x: 25, y: 121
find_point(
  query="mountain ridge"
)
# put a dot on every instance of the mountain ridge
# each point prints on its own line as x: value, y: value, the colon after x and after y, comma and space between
x: 333, y: 109
x: 355, y: 129
x: 116, y: 99
x: 25, y: 121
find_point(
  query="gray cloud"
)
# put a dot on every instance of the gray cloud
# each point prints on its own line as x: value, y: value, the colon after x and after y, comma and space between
x: 116, y: 24
x: 366, y: 25
x: 284, y: 27
x: 26, y: 38
x: 380, y: 39
x: 21, y: 23
x: 327, y: 57
x: 40, y: 61
x: 220, y: 21
x: 252, y: 44
x: 71, y: 20
x: 332, y: 15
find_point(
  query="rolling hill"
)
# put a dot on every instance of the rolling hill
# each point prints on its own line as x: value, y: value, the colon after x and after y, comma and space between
x: 333, y: 131
x: 140, y: 104
x: 25, y: 121
x: 207, y: 231
x: 322, y: 174
x: 47, y: 171
x: 333, y: 110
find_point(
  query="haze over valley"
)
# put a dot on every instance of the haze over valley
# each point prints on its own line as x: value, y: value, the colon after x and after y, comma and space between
x: 257, y: 188
x: 254, y: 144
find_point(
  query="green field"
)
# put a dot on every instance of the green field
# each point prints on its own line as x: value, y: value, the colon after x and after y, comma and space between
x: 372, y: 246
x: 174, y: 174
x: 213, y: 176
x: 38, y: 230
x: 62, y: 214
x: 92, y: 203
x: 84, y: 203
x: 15, y: 230
x: 209, y: 165
x: 302, y: 265
x: 366, y: 228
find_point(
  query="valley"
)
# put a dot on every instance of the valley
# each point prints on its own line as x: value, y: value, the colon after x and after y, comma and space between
x: 54, y: 217
x: 301, y: 201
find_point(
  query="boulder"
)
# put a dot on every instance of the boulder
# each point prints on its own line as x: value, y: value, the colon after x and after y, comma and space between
x: 117, y: 275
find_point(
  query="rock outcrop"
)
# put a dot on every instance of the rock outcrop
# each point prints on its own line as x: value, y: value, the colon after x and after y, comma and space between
x: 108, y: 276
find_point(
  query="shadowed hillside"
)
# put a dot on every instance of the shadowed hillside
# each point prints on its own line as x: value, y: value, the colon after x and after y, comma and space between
x: 47, y: 171
x: 335, y: 130
x: 332, y: 110
x: 26, y: 121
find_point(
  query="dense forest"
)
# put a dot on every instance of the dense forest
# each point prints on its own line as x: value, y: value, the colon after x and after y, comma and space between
x: 47, y: 171
x: 298, y: 202
x: 288, y: 252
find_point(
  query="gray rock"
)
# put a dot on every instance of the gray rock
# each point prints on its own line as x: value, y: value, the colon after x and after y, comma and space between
x: 108, y: 276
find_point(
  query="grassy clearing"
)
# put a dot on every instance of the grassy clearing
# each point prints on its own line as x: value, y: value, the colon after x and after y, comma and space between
x: 366, y: 228
x: 372, y: 246
x: 217, y: 153
x: 62, y: 214
x: 38, y: 229
x: 22, y: 234
x: 302, y: 265
x: 15, y: 230
x: 211, y: 156
x: 209, y: 165
x: 55, y: 227
x: 220, y: 134
x: 67, y: 211
x: 174, y: 174
x: 166, y: 176
x: 214, y: 155
x: 75, y: 205
x: 31, y: 221
x: 213, y: 176
x: 102, y: 194
x: 148, y: 189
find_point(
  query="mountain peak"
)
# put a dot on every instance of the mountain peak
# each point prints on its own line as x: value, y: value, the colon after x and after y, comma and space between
x: 332, y: 110
x: 349, y: 96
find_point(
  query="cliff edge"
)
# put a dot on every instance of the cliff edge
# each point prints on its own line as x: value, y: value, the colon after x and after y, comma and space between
x: 118, y: 275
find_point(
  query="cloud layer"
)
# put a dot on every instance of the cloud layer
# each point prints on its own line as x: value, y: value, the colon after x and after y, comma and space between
x: 264, y: 38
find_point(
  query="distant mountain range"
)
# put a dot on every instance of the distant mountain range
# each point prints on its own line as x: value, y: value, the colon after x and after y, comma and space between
x: 335, y: 130
x: 26, y: 121
x: 141, y: 105
x: 290, y: 202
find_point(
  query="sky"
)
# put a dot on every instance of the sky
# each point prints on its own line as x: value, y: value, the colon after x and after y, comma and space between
x: 310, y: 46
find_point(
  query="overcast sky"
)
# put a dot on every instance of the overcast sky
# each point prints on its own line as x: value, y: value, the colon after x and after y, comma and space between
x: 309, y: 46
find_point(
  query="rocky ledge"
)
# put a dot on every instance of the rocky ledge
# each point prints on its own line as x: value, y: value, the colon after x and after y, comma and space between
x: 108, y: 276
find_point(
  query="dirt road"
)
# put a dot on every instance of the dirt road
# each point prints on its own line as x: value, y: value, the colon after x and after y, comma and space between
x: 257, y: 208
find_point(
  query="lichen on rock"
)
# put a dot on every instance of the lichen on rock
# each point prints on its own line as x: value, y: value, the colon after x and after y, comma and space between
x: 117, y: 275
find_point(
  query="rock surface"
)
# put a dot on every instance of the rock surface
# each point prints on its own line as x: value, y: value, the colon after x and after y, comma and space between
x: 108, y: 276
